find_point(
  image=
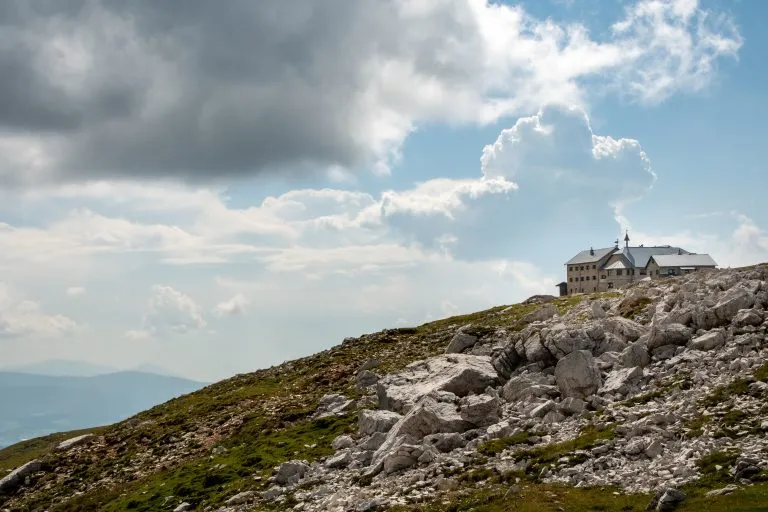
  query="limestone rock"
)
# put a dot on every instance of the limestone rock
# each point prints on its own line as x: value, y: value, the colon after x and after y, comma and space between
x: 372, y: 421
x: 747, y: 317
x: 16, y: 478
x: 460, y: 342
x: 460, y: 374
x: 366, y: 379
x: 291, y: 472
x: 333, y: 405
x: 542, y: 313
x: 506, y: 361
x: 572, y: 406
x: 241, y: 498
x: 342, y: 442
x: 563, y: 341
x: 622, y: 381
x: 635, y: 354
x: 523, y: 387
x: 577, y: 375
x: 670, y: 334
x: 666, y: 499
x: 480, y: 410
x: 708, y: 341
x: 75, y: 441
x: 735, y: 299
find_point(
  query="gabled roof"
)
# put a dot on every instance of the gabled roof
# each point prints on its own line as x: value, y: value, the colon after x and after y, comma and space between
x: 618, y: 264
x: 641, y: 255
x: 586, y: 257
x: 684, y: 260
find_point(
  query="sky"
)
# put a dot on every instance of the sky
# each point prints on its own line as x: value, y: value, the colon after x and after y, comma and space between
x: 220, y: 190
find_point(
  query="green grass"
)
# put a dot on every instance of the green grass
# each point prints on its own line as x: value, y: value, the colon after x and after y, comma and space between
x: 694, y: 427
x: 20, y: 453
x: 210, y: 481
x: 496, y: 446
x: 722, y: 394
x: 532, y: 497
x: 631, y: 307
x: 762, y: 373
x: 541, y: 456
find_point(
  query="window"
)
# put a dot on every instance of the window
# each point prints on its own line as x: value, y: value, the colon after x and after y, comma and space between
x: 594, y: 288
x: 581, y: 278
x: 594, y: 267
x: 602, y: 276
x: 657, y: 271
x: 594, y: 278
x: 642, y: 272
x: 618, y: 272
x: 610, y: 285
x: 570, y: 279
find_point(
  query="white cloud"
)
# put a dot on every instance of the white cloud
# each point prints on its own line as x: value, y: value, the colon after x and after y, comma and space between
x: 74, y: 291
x: 24, y: 318
x: 169, y: 311
x: 234, y: 306
x: 371, y: 73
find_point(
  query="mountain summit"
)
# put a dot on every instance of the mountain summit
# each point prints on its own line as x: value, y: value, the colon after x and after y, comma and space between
x: 650, y: 397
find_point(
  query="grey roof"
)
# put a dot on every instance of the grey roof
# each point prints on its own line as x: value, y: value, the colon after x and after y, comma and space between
x: 684, y: 260
x: 586, y: 257
x: 617, y: 264
x: 641, y: 255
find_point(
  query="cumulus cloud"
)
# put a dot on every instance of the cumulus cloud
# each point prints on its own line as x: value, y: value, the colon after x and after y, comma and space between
x: 169, y: 311
x: 557, y: 150
x: 234, y: 306
x: 24, y: 318
x: 144, y: 89
x: 74, y: 291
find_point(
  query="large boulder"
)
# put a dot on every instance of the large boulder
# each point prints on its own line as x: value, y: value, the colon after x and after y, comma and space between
x: 738, y: 297
x: 460, y: 342
x: 635, y: 355
x: 289, y: 473
x: 747, y: 317
x: 506, y: 360
x: 669, y: 334
x: 480, y: 410
x: 371, y: 421
x: 622, y: 381
x: 333, y: 405
x: 708, y: 341
x: 459, y: 374
x: 535, y: 351
x: 523, y: 387
x: 562, y: 341
x: 15, y: 478
x: 542, y: 313
x: 624, y: 328
x: 578, y: 375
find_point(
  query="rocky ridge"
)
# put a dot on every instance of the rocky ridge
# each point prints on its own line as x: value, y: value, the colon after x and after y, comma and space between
x: 658, y: 391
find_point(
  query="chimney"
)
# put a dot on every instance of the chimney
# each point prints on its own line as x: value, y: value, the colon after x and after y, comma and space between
x: 591, y: 251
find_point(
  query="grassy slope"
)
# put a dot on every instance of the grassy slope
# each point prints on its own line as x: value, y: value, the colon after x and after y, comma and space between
x: 262, y: 419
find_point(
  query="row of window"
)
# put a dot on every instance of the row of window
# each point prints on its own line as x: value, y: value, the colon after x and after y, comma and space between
x: 576, y: 268
x: 572, y: 279
x: 581, y: 290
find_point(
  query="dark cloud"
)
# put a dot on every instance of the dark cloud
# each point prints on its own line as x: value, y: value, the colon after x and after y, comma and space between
x: 198, y: 88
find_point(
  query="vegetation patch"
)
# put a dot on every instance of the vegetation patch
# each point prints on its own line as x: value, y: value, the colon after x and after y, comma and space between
x: 762, y: 373
x: 20, y: 453
x: 722, y: 394
x: 542, y: 456
x: 631, y: 307
x: 496, y: 446
x: 532, y: 497
x: 209, y: 482
x: 694, y: 427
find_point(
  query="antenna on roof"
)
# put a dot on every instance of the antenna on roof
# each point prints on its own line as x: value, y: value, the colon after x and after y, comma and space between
x: 617, y: 243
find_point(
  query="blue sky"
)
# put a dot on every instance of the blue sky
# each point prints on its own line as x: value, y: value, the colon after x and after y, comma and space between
x: 215, y: 192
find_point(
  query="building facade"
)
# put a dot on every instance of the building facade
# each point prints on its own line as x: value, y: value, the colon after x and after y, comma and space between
x: 599, y: 270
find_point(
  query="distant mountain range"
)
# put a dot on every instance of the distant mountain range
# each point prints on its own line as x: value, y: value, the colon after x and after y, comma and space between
x: 69, y: 368
x: 33, y: 405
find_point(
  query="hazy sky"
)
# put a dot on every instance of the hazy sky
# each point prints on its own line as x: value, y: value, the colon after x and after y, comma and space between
x: 216, y: 190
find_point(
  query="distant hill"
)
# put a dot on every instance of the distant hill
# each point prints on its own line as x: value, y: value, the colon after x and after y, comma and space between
x: 62, y: 368
x: 34, y: 405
